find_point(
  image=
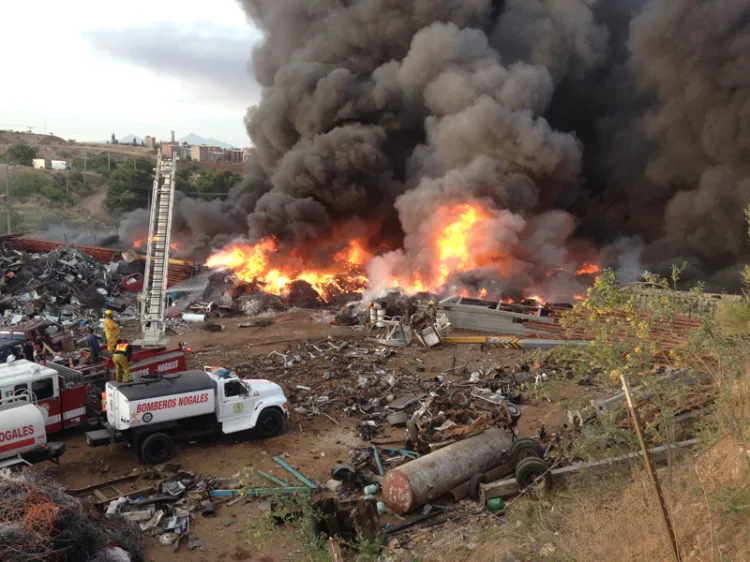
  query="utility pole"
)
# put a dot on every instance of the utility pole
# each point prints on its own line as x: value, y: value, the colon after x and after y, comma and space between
x: 7, y: 196
x: 109, y: 161
x: 85, y: 163
x: 650, y: 468
x: 67, y: 180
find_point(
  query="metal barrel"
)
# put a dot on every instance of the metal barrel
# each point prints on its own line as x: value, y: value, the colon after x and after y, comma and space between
x: 429, y: 477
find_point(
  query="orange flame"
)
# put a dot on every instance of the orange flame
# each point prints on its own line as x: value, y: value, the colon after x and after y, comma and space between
x: 456, y: 241
x: 252, y: 264
x: 453, y: 243
x: 587, y: 269
x: 354, y: 254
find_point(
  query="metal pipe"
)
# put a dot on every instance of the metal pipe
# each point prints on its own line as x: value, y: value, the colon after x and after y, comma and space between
x: 430, y: 476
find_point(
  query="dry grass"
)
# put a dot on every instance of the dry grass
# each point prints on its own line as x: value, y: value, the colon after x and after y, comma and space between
x: 617, y: 518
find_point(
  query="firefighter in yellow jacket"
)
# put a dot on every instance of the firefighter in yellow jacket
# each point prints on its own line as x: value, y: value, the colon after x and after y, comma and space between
x: 111, y: 331
x: 121, y: 358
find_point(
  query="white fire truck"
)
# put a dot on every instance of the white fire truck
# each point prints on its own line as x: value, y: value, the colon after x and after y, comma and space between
x: 70, y: 396
x: 148, y: 414
x: 23, y: 439
x: 63, y: 397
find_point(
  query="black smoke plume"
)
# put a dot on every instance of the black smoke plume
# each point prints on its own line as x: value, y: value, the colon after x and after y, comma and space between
x: 610, y: 130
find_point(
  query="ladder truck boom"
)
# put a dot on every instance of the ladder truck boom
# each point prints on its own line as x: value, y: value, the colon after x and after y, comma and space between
x: 154, y: 295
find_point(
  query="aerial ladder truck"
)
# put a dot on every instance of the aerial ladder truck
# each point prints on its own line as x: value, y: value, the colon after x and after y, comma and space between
x: 153, y: 298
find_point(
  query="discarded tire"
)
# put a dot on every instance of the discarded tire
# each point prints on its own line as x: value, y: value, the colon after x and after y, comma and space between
x: 474, y: 482
x: 515, y: 413
x: 157, y: 448
x: 269, y: 423
x: 525, y: 448
x: 533, y: 472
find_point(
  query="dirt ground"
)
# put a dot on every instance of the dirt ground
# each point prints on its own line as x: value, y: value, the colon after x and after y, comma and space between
x: 313, y: 444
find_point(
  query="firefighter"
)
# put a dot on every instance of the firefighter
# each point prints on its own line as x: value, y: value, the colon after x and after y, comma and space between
x: 111, y: 331
x: 121, y: 358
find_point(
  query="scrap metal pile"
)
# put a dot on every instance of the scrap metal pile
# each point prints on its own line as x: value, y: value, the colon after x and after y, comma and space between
x: 61, y: 285
x: 160, y: 503
x: 40, y: 522
x: 355, y: 379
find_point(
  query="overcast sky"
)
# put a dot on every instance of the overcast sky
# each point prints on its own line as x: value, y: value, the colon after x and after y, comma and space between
x: 88, y: 68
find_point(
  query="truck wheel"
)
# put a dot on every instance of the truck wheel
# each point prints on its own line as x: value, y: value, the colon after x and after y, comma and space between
x: 157, y: 448
x: 525, y: 448
x: 533, y: 472
x: 269, y: 423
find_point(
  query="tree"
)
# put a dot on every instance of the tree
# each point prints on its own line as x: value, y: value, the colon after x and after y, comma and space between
x: 217, y: 181
x: 35, y: 183
x: 21, y: 153
x: 113, y: 140
x: 128, y: 188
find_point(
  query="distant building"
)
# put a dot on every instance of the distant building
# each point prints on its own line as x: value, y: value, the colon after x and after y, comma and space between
x: 166, y: 149
x: 183, y: 151
x: 150, y: 142
x: 44, y: 164
x: 206, y: 154
x: 237, y: 167
x: 233, y: 155
x: 59, y: 165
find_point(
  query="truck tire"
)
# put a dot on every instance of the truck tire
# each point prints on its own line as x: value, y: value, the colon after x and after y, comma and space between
x: 474, y: 482
x: 524, y: 448
x: 269, y: 424
x: 157, y: 448
x: 533, y: 472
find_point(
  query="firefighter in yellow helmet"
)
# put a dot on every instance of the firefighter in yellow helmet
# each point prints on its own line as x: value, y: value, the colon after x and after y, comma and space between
x: 121, y: 358
x: 111, y: 331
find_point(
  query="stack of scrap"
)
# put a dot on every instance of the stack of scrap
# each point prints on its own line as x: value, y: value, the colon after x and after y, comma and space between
x: 497, y: 317
x: 669, y: 334
x: 179, y: 270
x: 39, y: 522
x: 544, y: 323
x: 165, y: 509
x: 58, y: 285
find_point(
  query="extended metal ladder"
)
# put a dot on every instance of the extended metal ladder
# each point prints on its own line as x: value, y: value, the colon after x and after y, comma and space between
x: 154, y: 294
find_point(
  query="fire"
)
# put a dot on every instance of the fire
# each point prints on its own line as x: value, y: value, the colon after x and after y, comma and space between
x: 454, y: 242
x: 252, y: 263
x: 354, y: 254
x: 141, y: 242
x: 587, y: 269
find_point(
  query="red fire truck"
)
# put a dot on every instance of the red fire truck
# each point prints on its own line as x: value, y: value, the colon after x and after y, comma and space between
x: 72, y: 396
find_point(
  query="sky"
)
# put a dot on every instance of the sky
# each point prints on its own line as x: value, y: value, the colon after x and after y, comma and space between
x: 84, y: 69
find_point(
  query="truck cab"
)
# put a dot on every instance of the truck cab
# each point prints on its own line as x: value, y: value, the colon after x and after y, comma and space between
x: 63, y: 398
x: 239, y: 402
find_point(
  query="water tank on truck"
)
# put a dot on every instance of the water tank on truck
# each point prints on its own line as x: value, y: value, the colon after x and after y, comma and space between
x: 21, y: 429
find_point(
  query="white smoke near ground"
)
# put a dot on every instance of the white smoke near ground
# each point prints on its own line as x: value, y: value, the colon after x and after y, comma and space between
x: 615, y: 131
